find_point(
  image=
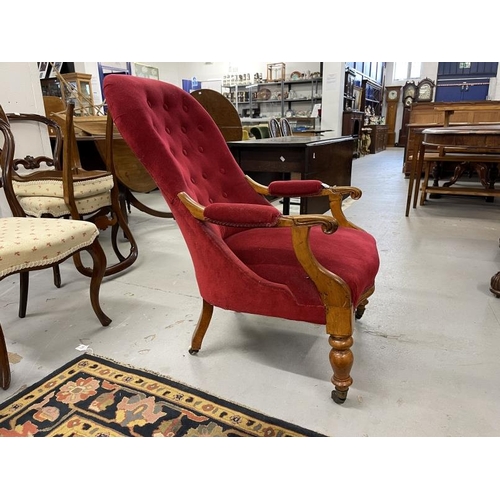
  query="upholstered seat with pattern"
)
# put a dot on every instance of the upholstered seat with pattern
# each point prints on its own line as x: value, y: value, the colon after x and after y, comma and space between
x: 248, y: 257
x: 28, y: 244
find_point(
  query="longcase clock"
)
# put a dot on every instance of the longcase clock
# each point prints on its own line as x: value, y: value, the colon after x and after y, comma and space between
x: 392, y: 94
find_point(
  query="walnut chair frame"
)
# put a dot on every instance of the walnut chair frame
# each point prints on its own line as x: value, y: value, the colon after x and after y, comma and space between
x: 78, y: 236
x: 248, y: 257
x: 67, y: 172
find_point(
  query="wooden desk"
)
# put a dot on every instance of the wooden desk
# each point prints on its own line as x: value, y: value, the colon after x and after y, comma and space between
x: 326, y: 159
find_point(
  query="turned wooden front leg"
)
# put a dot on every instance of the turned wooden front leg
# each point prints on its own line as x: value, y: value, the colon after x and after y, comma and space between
x: 341, y: 359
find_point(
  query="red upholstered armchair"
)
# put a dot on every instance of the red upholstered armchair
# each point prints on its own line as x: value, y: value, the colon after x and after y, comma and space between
x: 247, y: 256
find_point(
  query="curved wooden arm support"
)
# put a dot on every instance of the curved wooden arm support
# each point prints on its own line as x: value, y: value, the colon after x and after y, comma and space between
x: 336, y: 195
x: 7, y: 158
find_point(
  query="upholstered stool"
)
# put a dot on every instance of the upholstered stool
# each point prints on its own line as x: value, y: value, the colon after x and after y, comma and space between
x: 28, y: 244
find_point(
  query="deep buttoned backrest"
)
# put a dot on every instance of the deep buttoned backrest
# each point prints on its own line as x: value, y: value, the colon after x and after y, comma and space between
x: 177, y: 141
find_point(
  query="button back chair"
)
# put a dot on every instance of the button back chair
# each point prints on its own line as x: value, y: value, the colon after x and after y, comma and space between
x: 67, y: 190
x: 248, y: 257
x: 28, y: 244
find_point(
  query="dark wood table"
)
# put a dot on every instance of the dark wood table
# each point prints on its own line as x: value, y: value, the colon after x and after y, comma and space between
x: 326, y: 158
x: 476, y: 145
x: 466, y: 147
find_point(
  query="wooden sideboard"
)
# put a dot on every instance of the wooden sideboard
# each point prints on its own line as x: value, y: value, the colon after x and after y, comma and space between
x: 435, y: 114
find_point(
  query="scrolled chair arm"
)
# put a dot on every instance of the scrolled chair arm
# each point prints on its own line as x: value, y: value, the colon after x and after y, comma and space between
x: 303, y: 188
x: 312, y: 187
x: 250, y: 216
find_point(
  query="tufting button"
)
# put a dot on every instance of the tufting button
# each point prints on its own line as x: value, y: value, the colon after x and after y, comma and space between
x: 224, y: 195
x: 211, y: 200
x: 149, y: 104
x: 183, y: 129
x: 193, y: 180
x: 200, y: 149
x: 222, y: 170
x: 185, y: 108
x: 167, y: 130
x: 204, y: 175
x: 184, y: 152
x: 200, y: 128
x: 165, y: 106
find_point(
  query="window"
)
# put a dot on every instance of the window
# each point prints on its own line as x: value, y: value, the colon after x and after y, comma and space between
x: 405, y: 70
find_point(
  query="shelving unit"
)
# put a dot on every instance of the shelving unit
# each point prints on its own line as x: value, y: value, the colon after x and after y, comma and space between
x: 286, y: 98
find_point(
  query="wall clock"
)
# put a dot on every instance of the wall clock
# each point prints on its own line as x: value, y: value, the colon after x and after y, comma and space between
x: 392, y: 94
x: 409, y: 93
x: 425, y: 90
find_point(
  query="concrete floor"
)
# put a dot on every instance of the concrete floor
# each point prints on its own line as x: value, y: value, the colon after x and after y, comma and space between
x: 426, y: 351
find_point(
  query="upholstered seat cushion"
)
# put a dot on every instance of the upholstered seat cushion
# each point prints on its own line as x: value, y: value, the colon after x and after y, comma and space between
x: 29, y: 243
x: 349, y: 253
x: 36, y: 206
x: 54, y: 188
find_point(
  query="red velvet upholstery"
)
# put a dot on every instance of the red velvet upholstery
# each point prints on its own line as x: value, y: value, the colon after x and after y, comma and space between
x: 295, y: 188
x: 250, y: 270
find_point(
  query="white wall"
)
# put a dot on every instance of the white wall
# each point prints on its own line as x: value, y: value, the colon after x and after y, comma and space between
x: 332, y: 103
x: 20, y: 92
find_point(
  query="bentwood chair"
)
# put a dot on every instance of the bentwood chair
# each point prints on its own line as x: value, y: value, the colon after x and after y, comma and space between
x: 248, y: 257
x: 274, y: 128
x: 286, y: 128
x: 66, y: 190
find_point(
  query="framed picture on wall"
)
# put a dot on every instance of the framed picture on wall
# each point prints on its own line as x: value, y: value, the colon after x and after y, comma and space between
x: 146, y: 71
x: 42, y: 69
x: 357, y: 94
x: 53, y: 67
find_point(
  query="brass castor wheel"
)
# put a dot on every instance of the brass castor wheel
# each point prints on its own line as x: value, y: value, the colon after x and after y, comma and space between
x: 193, y: 351
x: 359, y: 313
x: 495, y: 285
x: 339, y: 396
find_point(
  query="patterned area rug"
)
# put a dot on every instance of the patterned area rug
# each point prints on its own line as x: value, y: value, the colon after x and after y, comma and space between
x: 93, y: 396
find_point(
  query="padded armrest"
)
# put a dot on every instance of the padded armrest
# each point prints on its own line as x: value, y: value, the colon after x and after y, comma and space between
x: 242, y: 215
x: 292, y: 188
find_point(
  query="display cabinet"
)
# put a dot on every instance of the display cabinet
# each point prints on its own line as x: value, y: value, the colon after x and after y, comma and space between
x: 371, y: 100
x: 80, y: 82
x: 349, y: 93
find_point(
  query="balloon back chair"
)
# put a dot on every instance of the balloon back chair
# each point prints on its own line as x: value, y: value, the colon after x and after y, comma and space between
x: 63, y: 189
x: 28, y: 244
x: 248, y: 257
